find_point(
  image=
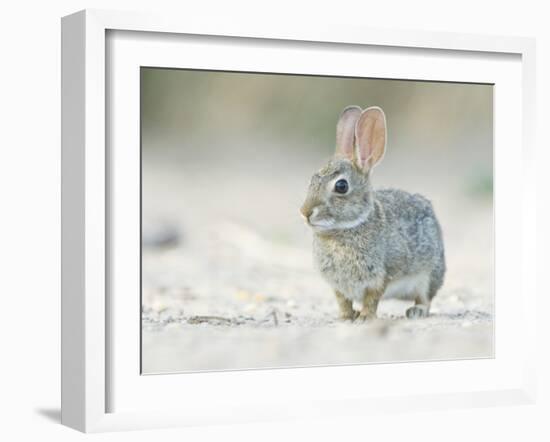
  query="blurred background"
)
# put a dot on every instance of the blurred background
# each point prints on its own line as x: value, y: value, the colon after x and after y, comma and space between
x: 228, y: 280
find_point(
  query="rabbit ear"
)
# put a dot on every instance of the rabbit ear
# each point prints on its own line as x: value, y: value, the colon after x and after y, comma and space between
x: 345, y: 131
x: 370, y: 133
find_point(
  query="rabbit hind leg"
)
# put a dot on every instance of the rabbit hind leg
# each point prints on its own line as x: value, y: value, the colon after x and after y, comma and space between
x: 421, y: 307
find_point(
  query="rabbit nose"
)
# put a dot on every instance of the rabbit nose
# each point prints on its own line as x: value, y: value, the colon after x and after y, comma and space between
x: 306, y: 211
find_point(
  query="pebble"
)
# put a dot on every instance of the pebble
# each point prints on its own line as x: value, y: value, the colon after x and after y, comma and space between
x: 162, y: 234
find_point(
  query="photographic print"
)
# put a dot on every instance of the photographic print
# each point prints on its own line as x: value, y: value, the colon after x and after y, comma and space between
x: 297, y: 220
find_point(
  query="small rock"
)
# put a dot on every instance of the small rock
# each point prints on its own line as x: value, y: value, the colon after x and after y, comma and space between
x: 160, y: 235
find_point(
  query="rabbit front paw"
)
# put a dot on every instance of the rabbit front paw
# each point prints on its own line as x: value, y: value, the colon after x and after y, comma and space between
x: 370, y: 304
x: 347, y: 313
x: 350, y: 315
x: 367, y: 315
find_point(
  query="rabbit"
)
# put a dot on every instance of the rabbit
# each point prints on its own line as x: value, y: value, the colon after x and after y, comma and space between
x: 367, y: 243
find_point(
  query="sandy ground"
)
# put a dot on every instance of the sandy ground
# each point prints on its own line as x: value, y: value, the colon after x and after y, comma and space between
x: 228, y: 279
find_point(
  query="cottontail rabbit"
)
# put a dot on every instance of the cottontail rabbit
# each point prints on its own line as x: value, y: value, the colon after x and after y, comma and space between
x: 370, y: 242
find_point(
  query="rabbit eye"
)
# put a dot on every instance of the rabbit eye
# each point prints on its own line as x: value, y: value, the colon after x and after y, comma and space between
x: 341, y: 186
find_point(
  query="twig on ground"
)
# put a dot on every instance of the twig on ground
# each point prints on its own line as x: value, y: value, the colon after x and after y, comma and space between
x: 202, y: 319
x: 275, y: 320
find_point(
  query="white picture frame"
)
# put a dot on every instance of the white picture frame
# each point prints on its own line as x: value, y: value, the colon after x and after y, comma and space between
x: 88, y: 362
